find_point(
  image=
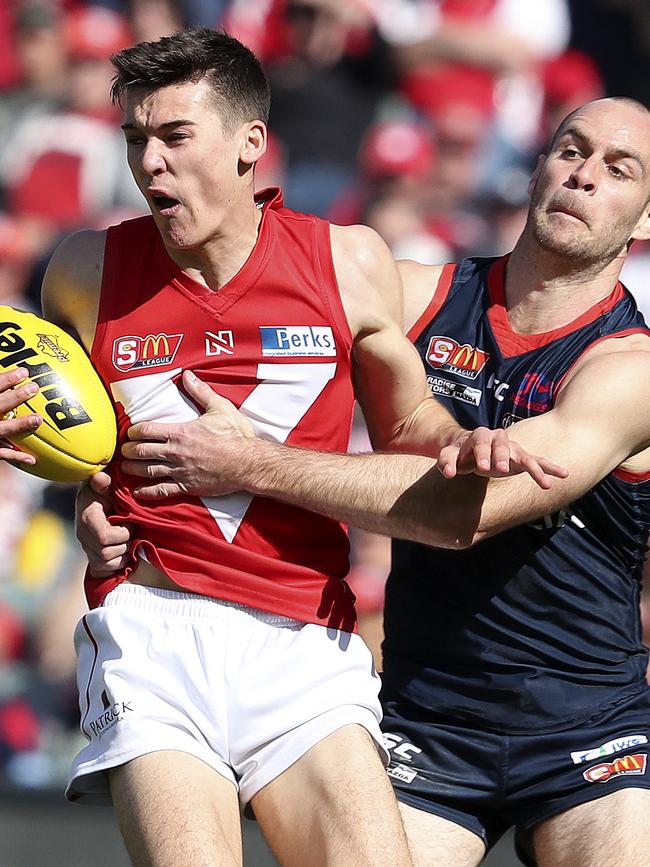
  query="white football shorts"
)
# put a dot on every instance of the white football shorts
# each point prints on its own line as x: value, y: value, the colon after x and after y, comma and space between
x: 243, y: 690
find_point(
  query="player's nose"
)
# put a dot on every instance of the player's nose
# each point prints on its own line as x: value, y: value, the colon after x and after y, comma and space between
x: 584, y: 175
x: 151, y: 159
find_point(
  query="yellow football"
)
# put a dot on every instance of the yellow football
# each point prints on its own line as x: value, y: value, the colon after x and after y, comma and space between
x: 78, y: 434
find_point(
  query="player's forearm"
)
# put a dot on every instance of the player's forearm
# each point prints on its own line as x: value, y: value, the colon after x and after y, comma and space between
x: 392, y: 494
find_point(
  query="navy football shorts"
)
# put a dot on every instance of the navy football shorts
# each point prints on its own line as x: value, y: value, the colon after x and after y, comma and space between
x: 488, y: 782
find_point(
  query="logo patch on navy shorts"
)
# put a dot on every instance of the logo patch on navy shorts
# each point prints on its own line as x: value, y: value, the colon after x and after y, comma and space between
x: 405, y: 775
x: 633, y: 765
x: 626, y: 742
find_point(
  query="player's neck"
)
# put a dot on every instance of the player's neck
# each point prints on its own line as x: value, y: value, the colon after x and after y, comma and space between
x: 217, y: 261
x: 544, y: 292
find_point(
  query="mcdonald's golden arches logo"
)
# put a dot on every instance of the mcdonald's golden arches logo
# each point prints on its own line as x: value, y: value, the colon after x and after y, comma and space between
x: 632, y: 765
x: 464, y: 359
x: 154, y: 350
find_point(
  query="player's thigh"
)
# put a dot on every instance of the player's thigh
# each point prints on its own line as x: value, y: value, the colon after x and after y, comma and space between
x: 334, y: 806
x: 175, y: 810
x: 612, y: 830
x: 437, y: 842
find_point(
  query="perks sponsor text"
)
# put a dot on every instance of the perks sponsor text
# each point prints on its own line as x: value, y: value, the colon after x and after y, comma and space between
x: 305, y: 340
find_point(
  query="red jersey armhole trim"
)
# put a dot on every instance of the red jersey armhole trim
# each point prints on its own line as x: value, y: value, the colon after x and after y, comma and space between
x: 438, y: 298
x: 632, y: 478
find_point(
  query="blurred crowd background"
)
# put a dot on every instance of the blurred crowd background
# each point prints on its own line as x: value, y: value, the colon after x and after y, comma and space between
x: 421, y: 118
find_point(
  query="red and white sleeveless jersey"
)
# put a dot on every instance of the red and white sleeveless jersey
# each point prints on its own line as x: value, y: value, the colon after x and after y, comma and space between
x: 275, y: 341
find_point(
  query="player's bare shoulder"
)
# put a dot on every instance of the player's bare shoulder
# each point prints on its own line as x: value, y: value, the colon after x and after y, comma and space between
x: 419, y: 284
x: 72, y: 283
x: 632, y: 359
x: 367, y: 276
x: 611, y: 382
x: 615, y: 356
x: 360, y: 246
x: 416, y: 275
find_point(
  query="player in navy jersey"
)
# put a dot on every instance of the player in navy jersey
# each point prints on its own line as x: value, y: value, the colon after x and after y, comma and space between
x: 514, y: 687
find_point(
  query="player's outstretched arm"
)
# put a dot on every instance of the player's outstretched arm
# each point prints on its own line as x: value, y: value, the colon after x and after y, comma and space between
x: 601, y: 421
x: 216, y: 454
x: 12, y: 395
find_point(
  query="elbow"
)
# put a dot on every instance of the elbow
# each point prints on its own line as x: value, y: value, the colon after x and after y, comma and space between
x: 451, y: 538
x: 473, y: 538
x: 469, y: 541
x: 464, y: 541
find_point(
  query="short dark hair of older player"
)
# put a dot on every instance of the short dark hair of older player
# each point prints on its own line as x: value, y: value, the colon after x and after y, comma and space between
x: 235, y: 74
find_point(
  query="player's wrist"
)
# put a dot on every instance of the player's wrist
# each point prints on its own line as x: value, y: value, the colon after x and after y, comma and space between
x: 451, y: 434
x: 258, y: 468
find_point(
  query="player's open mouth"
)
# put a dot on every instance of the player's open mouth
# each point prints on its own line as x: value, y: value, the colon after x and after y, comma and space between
x: 165, y: 204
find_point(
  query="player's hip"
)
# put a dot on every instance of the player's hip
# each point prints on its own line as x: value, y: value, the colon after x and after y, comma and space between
x: 487, y: 781
x: 245, y: 690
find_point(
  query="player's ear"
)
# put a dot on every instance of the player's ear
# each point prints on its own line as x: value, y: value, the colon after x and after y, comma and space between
x: 541, y: 159
x: 253, y: 142
x: 642, y: 229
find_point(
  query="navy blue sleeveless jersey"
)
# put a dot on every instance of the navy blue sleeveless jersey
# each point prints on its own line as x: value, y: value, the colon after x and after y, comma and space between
x: 538, y: 627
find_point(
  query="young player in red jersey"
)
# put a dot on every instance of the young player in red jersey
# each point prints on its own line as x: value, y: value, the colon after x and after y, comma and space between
x: 221, y: 662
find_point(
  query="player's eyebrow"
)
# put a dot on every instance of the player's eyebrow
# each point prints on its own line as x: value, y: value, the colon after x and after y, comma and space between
x: 170, y: 124
x: 619, y: 153
x: 626, y: 154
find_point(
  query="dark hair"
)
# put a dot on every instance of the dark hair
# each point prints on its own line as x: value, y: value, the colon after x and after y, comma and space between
x: 240, y: 87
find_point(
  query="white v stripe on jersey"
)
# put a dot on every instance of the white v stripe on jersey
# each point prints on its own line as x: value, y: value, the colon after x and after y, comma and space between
x: 274, y: 408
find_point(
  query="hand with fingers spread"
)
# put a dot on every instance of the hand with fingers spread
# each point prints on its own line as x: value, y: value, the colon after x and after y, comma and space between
x: 13, y: 392
x: 491, y: 453
x: 106, y: 545
x: 202, y: 457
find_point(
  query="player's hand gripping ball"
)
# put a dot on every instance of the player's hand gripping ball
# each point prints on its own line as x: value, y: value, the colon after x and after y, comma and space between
x: 78, y: 435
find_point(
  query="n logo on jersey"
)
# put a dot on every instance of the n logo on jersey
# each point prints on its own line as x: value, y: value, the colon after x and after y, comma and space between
x: 448, y: 354
x: 306, y: 340
x: 221, y: 342
x: 154, y: 350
